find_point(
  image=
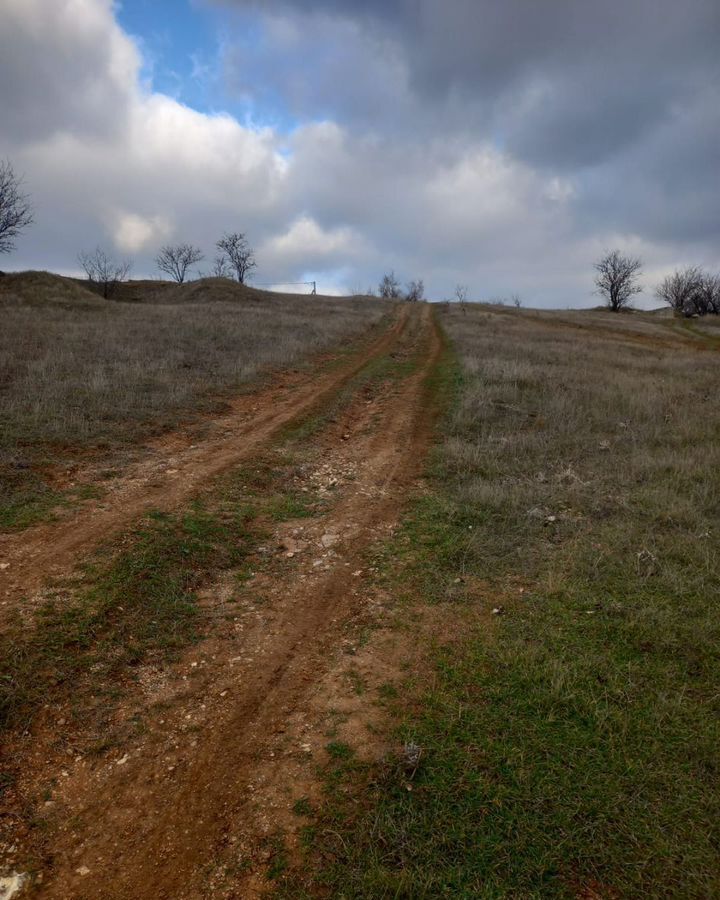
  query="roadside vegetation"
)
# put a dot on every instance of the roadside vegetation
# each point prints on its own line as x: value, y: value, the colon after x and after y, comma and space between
x: 80, y: 373
x: 563, y: 739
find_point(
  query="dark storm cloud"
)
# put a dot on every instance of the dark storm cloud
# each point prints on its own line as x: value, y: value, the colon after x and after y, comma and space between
x: 621, y: 97
x: 564, y: 83
x: 664, y: 185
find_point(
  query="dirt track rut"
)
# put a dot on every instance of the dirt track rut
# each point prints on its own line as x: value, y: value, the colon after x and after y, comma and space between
x: 186, y: 810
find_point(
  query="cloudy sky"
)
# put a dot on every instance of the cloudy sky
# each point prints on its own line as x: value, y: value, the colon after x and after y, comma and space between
x: 502, y: 144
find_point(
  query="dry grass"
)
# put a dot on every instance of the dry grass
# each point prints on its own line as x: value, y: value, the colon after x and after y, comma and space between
x: 555, y: 417
x: 80, y: 371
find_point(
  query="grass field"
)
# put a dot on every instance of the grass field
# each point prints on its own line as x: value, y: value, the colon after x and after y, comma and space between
x: 78, y: 372
x: 569, y: 732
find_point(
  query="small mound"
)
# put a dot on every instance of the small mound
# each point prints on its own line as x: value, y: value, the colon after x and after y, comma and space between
x: 604, y: 308
x: 199, y: 291
x: 203, y: 290
x: 44, y: 289
x: 214, y: 290
x: 141, y: 291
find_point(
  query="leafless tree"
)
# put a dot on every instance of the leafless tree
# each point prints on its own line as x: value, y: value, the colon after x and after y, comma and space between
x: 15, y: 208
x: 415, y: 291
x: 461, y: 293
x: 617, y: 277
x: 240, y: 257
x: 708, y: 293
x: 389, y: 287
x: 680, y: 290
x: 104, y: 271
x: 176, y: 259
x: 516, y: 300
x: 221, y: 267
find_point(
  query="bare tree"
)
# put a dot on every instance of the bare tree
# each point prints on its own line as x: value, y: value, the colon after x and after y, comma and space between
x: 616, y: 280
x: 708, y: 293
x: 415, y: 291
x: 389, y: 287
x: 176, y: 259
x: 15, y: 208
x: 104, y: 271
x: 516, y: 300
x: 461, y: 293
x: 680, y: 290
x: 240, y: 257
x: 221, y: 267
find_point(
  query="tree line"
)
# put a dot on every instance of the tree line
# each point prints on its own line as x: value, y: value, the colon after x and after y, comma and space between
x: 391, y: 289
x: 691, y: 291
x: 235, y: 258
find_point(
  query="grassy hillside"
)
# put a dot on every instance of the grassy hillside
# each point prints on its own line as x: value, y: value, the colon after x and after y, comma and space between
x: 79, y: 372
x: 201, y: 290
x: 38, y: 289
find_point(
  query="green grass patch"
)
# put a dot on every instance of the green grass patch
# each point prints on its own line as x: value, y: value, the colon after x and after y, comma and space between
x: 28, y: 508
x: 278, y: 862
x: 290, y: 505
x: 139, y: 603
x: 303, y: 807
x: 25, y: 498
x: 339, y: 750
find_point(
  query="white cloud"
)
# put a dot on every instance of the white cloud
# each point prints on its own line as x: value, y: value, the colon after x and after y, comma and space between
x: 133, y: 233
x: 64, y: 66
x: 306, y: 246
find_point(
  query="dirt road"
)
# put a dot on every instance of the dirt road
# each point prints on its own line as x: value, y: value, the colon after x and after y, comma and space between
x: 176, y: 466
x: 191, y: 806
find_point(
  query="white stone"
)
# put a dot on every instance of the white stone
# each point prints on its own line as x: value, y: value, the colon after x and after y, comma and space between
x: 12, y: 884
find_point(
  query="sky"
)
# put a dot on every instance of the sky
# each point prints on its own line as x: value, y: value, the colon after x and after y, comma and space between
x: 499, y: 145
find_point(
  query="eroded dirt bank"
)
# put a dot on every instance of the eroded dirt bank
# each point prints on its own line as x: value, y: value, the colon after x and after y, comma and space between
x: 233, y: 732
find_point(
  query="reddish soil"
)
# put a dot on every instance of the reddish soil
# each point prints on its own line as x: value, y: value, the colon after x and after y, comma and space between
x: 235, y: 729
